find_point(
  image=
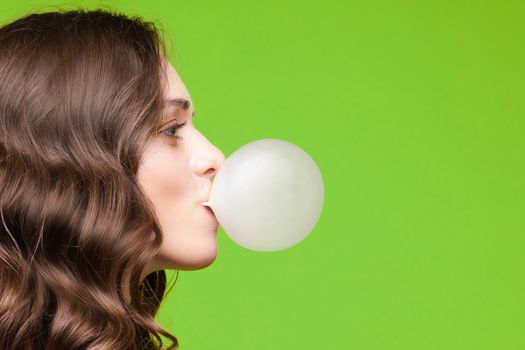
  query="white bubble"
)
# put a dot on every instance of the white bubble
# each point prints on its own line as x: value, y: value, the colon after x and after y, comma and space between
x: 268, y: 195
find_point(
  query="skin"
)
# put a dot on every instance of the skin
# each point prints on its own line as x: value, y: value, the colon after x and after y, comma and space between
x: 176, y: 175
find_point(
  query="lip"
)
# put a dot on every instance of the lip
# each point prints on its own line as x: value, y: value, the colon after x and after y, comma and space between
x: 209, y: 209
x: 212, y: 214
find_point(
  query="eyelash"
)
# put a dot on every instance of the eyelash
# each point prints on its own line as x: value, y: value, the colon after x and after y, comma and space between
x: 175, y: 127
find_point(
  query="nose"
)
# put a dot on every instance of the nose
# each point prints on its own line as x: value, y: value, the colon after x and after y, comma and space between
x: 209, y: 163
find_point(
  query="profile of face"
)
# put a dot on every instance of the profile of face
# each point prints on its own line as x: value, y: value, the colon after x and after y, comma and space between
x: 176, y: 173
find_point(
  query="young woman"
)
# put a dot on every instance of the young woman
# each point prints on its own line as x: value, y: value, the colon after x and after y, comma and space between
x: 102, y: 180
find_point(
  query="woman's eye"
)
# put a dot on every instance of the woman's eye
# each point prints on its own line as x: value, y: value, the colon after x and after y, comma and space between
x: 171, y: 131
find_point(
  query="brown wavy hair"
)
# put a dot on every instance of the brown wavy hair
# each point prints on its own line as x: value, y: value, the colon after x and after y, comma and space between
x: 81, y: 94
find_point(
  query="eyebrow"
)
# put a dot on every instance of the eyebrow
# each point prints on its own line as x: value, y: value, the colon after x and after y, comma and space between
x: 180, y: 103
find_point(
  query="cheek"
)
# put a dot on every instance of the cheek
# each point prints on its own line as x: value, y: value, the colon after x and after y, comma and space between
x: 165, y: 177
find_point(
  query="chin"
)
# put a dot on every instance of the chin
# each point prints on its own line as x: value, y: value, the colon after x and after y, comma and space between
x: 194, y: 257
x: 189, y: 253
x: 201, y: 264
x: 197, y: 263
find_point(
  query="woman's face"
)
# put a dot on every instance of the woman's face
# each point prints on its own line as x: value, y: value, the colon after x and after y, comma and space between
x: 176, y: 176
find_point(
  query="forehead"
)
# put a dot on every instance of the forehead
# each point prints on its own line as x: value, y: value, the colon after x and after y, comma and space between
x: 176, y: 87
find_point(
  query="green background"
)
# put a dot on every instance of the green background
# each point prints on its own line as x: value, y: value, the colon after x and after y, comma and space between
x: 414, y: 112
